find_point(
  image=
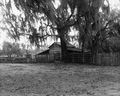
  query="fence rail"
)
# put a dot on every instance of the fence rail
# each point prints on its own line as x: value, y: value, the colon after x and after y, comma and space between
x: 72, y: 58
x: 13, y: 60
x: 109, y: 59
x: 81, y: 58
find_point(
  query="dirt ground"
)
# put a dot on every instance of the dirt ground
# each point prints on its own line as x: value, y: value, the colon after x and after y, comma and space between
x: 58, y: 80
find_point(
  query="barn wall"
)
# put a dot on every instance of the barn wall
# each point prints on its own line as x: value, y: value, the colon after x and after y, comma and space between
x: 54, y: 52
x: 54, y: 49
x: 42, y: 58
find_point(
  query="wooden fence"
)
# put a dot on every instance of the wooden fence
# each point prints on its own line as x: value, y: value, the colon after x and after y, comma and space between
x: 81, y: 58
x: 12, y: 60
x: 109, y: 59
x: 72, y: 58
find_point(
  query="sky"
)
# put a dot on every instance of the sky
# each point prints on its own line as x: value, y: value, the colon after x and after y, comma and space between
x: 115, y: 3
x: 3, y: 36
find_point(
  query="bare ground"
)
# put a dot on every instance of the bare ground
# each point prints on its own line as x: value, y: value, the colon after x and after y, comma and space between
x: 58, y: 80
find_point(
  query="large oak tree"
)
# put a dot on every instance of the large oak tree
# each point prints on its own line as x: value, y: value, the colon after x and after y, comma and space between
x: 60, y: 16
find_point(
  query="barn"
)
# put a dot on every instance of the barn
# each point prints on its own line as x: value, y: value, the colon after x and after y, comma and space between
x: 54, y: 52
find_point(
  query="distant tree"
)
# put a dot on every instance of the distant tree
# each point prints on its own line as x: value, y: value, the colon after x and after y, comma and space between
x: 23, y: 49
x: 16, y: 49
x: 10, y: 49
x: 7, y: 48
x: 1, y: 53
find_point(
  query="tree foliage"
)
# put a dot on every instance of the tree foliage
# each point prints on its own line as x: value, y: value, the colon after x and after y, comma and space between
x: 11, y: 49
x: 59, y: 19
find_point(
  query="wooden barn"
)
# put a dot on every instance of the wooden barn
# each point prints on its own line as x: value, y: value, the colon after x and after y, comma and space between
x: 54, y: 54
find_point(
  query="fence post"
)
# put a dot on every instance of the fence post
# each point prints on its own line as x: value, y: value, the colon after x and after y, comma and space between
x: 111, y: 57
x: 83, y: 57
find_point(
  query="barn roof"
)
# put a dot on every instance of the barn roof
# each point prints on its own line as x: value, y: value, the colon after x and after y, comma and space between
x: 77, y: 50
x: 68, y: 45
x: 44, y: 52
x: 74, y: 49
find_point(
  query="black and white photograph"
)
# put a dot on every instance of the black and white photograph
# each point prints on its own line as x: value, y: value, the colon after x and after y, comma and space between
x: 59, y: 47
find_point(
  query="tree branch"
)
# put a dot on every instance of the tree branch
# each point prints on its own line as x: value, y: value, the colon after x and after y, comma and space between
x: 69, y: 17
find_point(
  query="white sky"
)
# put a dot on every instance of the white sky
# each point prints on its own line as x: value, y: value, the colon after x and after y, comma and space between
x: 115, y: 3
x: 3, y: 36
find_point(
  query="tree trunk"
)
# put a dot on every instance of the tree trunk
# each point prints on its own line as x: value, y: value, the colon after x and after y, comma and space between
x: 63, y: 45
x: 83, y: 47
